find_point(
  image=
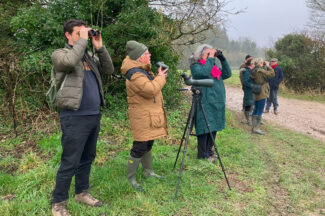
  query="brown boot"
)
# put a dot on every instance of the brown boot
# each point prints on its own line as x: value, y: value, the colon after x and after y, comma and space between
x: 88, y: 199
x: 275, y: 111
x: 60, y: 209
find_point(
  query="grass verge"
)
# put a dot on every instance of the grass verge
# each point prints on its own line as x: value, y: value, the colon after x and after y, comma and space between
x: 281, y: 173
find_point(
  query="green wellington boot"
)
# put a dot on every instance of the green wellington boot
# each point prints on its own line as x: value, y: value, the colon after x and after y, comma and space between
x: 248, y: 117
x: 147, y: 165
x: 131, y: 172
x: 256, y: 123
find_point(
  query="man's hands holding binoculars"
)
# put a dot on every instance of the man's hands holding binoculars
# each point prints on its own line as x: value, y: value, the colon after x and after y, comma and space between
x: 95, y: 35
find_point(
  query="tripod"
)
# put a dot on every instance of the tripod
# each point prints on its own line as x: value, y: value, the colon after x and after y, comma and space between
x: 196, y: 99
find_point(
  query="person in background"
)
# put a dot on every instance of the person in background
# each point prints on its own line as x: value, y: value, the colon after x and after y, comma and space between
x: 203, y: 66
x: 146, y: 109
x: 259, y: 76
x: 274, y: 87
x: 248, y: 100
x: 248, y: 58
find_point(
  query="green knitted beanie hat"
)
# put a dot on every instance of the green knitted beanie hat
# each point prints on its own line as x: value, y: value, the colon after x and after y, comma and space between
x: 135, y: 49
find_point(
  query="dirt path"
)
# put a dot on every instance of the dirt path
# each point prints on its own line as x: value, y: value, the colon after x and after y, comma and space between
x: 303, y: 116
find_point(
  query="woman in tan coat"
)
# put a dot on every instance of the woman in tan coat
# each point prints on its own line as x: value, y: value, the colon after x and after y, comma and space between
x: 259, y: 75
x: 146, y: 110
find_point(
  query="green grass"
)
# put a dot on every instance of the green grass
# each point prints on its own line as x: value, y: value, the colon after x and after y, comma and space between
x: 283, y: 91
x: 278, y: 174
x: 234, y: 79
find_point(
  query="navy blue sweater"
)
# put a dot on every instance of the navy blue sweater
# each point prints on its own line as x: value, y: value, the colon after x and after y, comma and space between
x: 90, y: 101
x: 275, y: 82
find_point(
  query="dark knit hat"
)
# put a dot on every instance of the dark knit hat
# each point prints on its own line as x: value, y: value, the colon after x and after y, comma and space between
x: 135, y: 49
x: 247, y: 57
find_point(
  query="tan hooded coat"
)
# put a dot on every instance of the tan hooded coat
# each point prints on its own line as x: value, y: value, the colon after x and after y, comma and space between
x: 146, y: 107
x: 260, y: 76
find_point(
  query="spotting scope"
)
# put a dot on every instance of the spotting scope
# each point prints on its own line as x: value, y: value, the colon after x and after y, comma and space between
x: 192, y: 82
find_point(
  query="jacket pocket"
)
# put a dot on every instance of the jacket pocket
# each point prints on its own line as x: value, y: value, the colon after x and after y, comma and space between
x: 157, y: 120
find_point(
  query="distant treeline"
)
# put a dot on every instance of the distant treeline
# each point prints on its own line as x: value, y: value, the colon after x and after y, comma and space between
x: 234, y: 50
x: 301, y: 56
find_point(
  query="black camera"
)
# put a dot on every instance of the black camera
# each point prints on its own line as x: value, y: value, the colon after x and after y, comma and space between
x: 162, y: 65
x: 93, y: 33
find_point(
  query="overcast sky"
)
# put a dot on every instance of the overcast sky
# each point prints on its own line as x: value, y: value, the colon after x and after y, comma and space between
x: 264, y: 21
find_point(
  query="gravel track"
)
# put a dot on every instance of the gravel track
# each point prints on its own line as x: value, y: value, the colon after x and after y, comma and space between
x: 302, y: 116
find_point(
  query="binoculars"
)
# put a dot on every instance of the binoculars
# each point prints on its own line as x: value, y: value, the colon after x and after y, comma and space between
x: 93, y: 33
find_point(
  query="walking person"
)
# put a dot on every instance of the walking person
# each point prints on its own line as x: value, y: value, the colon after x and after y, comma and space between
x: 259, y: 75
x: 146, y: 109
x: 274, y: 87
x: 203, y: 66
x: 79, y: 97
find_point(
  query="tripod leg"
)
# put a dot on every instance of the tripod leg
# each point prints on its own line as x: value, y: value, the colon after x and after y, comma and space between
x: 189, y: 130
x: 185, y: 129
x: 215, y: 146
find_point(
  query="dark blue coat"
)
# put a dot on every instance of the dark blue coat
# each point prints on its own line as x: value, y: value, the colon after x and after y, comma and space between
x: 275, y: 82
x: 213, y: 98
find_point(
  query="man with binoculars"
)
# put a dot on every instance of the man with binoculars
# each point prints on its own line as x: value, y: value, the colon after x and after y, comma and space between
x: 79, y: 97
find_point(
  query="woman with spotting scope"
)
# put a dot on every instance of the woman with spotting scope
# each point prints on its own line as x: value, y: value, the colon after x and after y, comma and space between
x: 202, y: 64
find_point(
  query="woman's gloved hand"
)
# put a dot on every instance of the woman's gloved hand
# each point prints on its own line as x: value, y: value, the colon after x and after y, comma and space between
x: 219, y: 55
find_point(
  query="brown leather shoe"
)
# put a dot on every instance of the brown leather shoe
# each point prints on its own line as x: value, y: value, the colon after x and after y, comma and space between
x: 87, y: 198
x: 276, y: 111
x: 60, y: 209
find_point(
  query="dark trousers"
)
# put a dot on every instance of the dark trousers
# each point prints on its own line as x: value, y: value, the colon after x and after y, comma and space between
x: 79, y: 139
x: 273, y: 98
x: 205, y: 144
x: 248, y: 108
x: 259, y: 107
x: 140, y: 148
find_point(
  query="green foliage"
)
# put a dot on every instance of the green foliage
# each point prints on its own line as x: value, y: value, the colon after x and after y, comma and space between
x: 302, y: 60
x: 34, y: 29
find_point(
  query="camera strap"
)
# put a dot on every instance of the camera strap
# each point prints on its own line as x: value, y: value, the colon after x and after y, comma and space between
x: 137, y: 70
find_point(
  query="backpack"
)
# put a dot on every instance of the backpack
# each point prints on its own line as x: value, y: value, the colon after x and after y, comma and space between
x: 135, y: 70
x: 51, y: 93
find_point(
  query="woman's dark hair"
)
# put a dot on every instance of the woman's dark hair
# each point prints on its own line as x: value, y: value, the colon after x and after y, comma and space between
x: 70, y: 24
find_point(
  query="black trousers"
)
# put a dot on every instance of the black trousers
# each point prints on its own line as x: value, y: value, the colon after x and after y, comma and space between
x: 205, y: 144
x: 140, y: 148
x: 248, y: 108
x: 79, y: 140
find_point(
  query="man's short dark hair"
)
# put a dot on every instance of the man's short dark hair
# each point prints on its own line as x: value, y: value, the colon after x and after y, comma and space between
x: 70, y: 24
x: 248, y: 56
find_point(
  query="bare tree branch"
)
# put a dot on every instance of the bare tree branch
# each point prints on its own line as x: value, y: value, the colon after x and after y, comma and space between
x: 317, y: 17
x: 192, y: 17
